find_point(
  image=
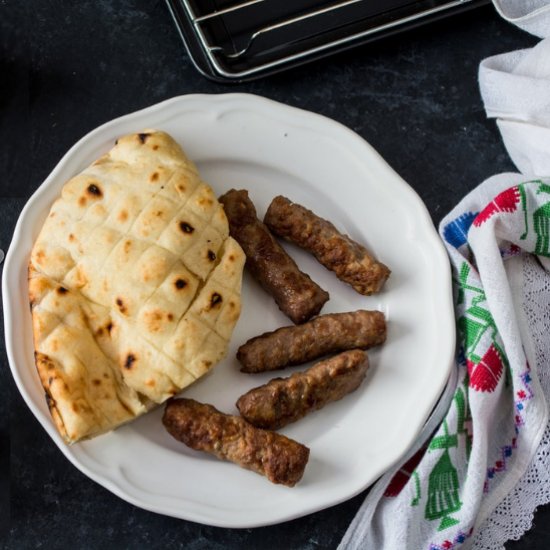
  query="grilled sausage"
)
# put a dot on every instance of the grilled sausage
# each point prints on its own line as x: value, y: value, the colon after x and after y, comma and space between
x: 203, y: 428
x: 285, y: 400
x: 322, y: 335
x: 348, y: 259
x: 295, y: 293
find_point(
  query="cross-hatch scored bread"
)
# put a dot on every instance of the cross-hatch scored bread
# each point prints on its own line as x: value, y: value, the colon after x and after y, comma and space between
x: 134, y: 285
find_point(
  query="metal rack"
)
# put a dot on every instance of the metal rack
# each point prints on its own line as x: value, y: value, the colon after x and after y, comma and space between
x: 244, y: 39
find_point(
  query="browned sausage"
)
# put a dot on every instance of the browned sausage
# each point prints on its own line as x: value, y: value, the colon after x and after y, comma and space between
x: 285, y: 400
x: 296, y: 294
x: 203, y: 428
x: 322, y: 335
x: 348, y: 259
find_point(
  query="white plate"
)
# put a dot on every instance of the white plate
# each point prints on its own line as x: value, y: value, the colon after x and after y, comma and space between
x: 249, y: 142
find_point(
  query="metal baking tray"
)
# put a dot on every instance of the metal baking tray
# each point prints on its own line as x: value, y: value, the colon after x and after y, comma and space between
x: 238, y: 40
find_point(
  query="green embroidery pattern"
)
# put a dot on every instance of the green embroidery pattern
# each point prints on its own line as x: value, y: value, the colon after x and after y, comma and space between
x: 443, y: 486
x: 541, y: 217
x: 416, y: 499
x: 541, y: 221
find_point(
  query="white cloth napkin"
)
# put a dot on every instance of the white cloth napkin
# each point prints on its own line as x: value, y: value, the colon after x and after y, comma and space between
x: 476, y: 479
x: 530, y: 15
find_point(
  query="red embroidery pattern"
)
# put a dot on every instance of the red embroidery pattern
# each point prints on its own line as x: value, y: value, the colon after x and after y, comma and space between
x: 484, y: 376
x: 507, y: 201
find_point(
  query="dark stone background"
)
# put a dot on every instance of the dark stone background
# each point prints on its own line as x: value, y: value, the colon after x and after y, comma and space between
x: 66, y: 67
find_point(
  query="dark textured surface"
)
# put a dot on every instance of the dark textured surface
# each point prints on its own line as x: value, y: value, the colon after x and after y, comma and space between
x: 67, y: 67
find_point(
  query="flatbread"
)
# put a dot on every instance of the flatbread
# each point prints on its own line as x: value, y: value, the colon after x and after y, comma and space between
x: 134, y: 286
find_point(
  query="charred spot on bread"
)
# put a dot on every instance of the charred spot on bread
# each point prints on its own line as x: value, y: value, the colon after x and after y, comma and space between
x: 154, y: 176
x: 143, y: 137
x: 186, y: 227
x: 129, y: 361
x: 215, y: 299
x: 180, y: 283
x: 211, y: 255
x: 94, y: 190
x: 62, y: 290
x: 121, y: 305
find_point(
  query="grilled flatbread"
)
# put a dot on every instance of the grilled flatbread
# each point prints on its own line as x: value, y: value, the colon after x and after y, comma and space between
x: 134, y: 285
